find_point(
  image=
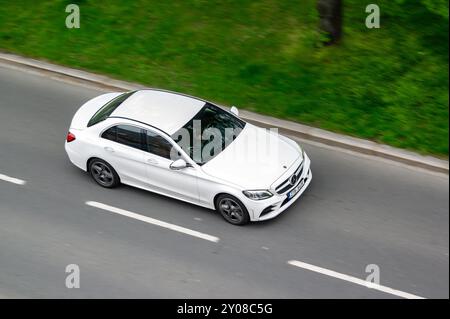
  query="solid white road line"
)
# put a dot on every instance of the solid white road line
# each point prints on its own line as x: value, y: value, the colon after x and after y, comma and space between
x: 12, y: 180
x: 354, y: 280
x: 153, y: 221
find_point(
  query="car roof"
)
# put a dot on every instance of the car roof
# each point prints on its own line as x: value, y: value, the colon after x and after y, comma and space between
x: 167, y: 111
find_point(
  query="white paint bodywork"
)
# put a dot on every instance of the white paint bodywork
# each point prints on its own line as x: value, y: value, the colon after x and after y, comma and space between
x: 196, y: 184
x: 165, y: 110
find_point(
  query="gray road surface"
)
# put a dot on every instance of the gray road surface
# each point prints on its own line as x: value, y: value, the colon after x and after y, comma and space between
x: 357, y: 211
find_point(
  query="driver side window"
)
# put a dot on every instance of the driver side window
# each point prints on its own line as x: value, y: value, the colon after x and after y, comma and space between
x: 158, y: 145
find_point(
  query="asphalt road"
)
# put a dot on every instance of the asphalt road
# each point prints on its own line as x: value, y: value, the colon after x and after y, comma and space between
x: 357, y: 211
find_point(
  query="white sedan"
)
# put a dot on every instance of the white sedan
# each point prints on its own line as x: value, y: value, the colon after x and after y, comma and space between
x: 189, y: 149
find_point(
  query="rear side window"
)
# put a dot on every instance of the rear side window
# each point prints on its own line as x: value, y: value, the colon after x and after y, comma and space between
x: 110, y: 134
x: 128, y: 135
x: 108, y: 108
x: 158, y: 145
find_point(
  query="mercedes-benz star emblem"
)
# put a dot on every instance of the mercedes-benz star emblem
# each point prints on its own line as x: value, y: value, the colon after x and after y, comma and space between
x: 293, y: 179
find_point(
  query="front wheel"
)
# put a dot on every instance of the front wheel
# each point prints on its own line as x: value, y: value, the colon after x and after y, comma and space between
x: 103, y: 173
x: 232, y: 210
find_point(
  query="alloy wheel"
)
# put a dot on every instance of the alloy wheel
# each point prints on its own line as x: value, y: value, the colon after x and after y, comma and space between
x: 231, y: 210
x: 102, y: 174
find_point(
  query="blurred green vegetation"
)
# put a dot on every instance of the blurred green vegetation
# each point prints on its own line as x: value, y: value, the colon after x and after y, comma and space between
x: 389, y: 85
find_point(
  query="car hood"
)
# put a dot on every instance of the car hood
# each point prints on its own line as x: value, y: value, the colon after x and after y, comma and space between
x: 255, y: 159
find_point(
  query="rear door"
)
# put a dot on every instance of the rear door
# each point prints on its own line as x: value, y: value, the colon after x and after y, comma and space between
x: 122, y: 147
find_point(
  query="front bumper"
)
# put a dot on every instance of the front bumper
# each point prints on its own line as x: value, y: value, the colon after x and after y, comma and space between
x: 275, y: 205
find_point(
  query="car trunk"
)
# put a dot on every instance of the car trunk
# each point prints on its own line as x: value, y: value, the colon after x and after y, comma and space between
x: 87, y: 110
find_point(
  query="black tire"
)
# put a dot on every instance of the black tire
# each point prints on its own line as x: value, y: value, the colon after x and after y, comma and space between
x: 232, y: 209
x: 103, y: 173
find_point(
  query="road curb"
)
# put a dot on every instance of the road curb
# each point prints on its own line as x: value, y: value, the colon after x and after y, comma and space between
x: 285, y: 127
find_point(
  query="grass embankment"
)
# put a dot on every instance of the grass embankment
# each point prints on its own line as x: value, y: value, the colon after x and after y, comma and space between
x: 389, y: 85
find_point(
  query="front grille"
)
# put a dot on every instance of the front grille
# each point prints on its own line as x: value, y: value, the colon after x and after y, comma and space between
x: 289, y: 199
x: 286, y: 185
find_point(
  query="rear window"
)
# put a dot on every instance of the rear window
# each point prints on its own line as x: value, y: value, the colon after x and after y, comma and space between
x: 108, y: 108
x: 128, y: 135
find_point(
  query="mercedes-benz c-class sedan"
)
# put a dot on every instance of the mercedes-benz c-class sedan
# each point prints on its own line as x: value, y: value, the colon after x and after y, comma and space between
x: 189, y: 149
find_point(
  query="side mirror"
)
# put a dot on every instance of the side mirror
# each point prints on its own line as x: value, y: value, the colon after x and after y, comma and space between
x: 178, y: 164
x: 234, y: 110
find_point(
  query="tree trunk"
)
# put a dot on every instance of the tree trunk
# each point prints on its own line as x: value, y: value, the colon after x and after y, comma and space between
x: 330, y: 13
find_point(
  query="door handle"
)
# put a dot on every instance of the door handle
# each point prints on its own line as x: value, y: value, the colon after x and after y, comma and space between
x: 109, y: 149
x: 152, y: 161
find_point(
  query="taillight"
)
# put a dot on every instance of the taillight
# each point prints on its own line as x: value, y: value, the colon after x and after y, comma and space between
x: 70, y: 137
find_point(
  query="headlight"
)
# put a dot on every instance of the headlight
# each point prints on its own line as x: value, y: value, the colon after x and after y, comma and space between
x: 258, y: 194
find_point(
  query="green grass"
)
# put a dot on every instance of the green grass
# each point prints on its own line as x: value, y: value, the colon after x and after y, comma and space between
x: 389, y: 85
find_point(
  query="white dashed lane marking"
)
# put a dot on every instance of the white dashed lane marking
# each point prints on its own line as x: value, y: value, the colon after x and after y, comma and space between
x: 153, y: 221
x: 352, y: 279
x: 12, y: 180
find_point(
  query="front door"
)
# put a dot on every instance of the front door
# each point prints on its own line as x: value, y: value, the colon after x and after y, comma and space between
x: 180, y: 184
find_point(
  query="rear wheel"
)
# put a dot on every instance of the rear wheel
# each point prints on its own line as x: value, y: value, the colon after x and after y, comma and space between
x: 232, y: 210
x: 103, y: 173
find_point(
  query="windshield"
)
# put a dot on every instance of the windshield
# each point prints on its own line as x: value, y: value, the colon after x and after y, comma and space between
x: 208, y: 133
